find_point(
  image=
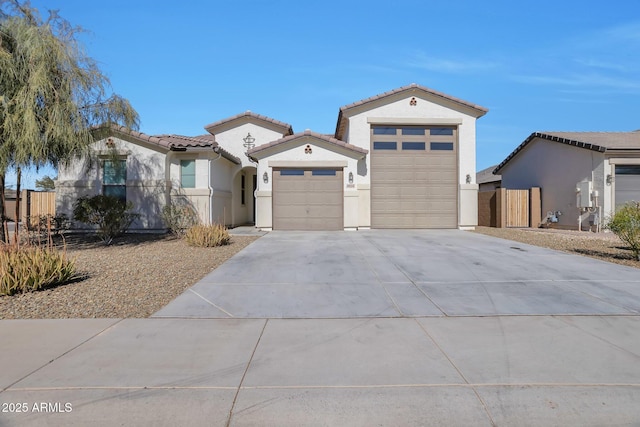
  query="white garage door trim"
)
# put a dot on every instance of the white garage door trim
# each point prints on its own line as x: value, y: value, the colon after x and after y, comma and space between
x: 414, y: 176
x: 306, y: 198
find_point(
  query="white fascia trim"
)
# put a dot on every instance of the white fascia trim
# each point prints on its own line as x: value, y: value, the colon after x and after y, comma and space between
x: 413, y: 121
x: 307, y: 164
x: 624, y: 161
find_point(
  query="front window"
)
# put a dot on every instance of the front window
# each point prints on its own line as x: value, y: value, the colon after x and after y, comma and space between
x: 114, y: 179
x: 188, y: 173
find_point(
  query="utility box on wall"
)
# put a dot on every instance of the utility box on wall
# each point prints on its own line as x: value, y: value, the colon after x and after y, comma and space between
x: 584, y: 190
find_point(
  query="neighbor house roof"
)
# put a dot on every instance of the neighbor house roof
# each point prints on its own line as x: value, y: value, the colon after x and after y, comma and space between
x: 176, y: 142
x: 595, y: 141
x: 486, y: 175
x: 10, y: 194
x: 284, y: 128
x: 326, y: 138
x: 413, y: 87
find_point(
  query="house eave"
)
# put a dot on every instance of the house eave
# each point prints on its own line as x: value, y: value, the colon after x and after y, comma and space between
x: 412, y: 89
x: 331, y: 143
x: 548, y: 137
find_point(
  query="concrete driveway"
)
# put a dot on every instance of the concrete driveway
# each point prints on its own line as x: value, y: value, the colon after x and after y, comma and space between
x: 398, y: 273
x: 392, y: 328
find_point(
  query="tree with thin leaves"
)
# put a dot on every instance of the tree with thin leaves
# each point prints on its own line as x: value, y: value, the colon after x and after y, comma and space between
x: 46, y: 183
x: 53, y: 96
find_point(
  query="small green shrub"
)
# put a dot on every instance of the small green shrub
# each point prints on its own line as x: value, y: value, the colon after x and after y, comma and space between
x: 179, y: 217
x: 625, y: 223
x: 207, y: 235
x: 30, y: 268
x: 111, y: 215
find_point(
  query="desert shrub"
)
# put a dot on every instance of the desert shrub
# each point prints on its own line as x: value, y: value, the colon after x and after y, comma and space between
x: 111, y: 215
x: 54, y: 224
x: 625, y: 223
x: 207, y: 235
x: 30, y: 268
x: 179, y: 217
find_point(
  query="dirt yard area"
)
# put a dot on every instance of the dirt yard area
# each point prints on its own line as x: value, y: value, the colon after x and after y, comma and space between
x: 603, y: 246
x: 134, y: 277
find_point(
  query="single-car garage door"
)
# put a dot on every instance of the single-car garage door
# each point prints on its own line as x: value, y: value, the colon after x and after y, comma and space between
x: 414, y: 177
x: 308, y: 199
x: 627, y: 184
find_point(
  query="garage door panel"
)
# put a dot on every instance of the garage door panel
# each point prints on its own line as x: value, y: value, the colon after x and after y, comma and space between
x: 414, y: 188
x: 627, y: 184
x: 309, y: 201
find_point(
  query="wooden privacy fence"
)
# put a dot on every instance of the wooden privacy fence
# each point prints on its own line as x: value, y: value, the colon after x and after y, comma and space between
x: 517, y: 208
x: 32, y: 204
x: 41, y: 203
x: 504, y: 208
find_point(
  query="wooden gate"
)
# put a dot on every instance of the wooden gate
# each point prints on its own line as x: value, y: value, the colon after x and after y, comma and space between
x: 34, y: 204
x: 517, y: 208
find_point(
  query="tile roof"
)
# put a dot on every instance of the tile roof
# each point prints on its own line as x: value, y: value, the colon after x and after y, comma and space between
x: 340, y: 125
x: 326, y: 138
x: 177, y: 142
x: 595, y: 141
x: 181, y: 141
x: 286, y: 127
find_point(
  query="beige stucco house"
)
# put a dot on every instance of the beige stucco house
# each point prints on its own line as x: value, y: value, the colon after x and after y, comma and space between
x: 401, y: 159
x: 582, y: 175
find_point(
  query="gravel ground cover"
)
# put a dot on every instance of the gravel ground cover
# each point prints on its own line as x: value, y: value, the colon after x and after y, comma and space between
x: 134, y: 277
x: 603, y: 246
x: 139, y: 274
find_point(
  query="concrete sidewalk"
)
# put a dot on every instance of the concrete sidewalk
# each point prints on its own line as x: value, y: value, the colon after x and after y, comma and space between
x: 513, y: 370
x: 349, y: 329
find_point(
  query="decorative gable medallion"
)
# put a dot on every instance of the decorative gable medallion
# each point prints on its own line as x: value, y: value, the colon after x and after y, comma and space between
x: 307, y: 149
x: 413, y: 102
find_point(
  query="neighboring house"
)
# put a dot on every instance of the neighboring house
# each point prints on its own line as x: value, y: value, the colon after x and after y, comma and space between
x: 402, y: 159
x: 559, y: 162
x: 486, y: 179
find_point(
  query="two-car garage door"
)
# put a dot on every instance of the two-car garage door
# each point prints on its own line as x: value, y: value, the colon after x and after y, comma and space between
x: 414, y: 177
x: 308, y: 199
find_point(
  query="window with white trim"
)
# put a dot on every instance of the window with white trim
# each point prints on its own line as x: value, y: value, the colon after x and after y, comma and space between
x: 188, y: 173
x: 114, y: 178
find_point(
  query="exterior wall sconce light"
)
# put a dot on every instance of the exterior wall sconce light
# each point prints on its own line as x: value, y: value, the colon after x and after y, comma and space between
x: 249, y: 141
x: 468, y: 179
x: 609, y: 179
x: 350, y: 177
x: 265, y: 178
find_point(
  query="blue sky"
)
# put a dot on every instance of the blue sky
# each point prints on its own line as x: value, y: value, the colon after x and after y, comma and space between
x: 537, y: 66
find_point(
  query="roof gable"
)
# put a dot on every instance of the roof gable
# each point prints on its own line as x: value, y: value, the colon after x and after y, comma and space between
x: 169, y: 142
x: 258, y: 152
x: 249, y: 117
x: 595, y: 141
x: 396, y: 94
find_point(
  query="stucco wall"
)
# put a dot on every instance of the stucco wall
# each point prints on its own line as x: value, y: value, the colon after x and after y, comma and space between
x: 146, y: 181
x: 425, y: 112
x: 294, y: 152
x: 232, y: 140
x: 359, y: 128
x: 556, y: 168
x: 209, y: 166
